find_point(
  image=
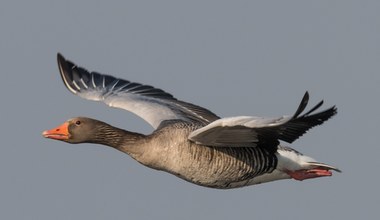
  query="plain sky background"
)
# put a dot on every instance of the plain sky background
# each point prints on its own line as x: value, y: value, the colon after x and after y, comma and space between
x: 232, y: 57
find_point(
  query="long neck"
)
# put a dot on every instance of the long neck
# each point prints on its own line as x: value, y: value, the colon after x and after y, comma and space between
x: 125, y: 141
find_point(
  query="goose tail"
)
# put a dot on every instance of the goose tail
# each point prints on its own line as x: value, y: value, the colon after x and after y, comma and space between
x: 301, y: 167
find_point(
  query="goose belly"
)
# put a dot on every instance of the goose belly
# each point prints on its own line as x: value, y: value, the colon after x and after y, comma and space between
x: 218, y: 167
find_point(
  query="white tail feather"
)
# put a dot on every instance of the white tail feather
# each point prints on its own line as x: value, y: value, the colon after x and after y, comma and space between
x: 291, y: 160
x: 324, y: 166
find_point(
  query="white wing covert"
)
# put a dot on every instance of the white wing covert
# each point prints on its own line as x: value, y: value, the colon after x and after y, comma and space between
x: 248, y: 131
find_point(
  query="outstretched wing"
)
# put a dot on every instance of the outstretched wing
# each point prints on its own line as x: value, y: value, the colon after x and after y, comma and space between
x: 247, y: 131
x: 152, y: 104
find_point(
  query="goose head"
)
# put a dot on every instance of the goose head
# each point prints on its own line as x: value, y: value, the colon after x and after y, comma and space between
x: 77, y: 130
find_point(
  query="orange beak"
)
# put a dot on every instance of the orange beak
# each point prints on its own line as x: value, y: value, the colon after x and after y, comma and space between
x: 59, y: 133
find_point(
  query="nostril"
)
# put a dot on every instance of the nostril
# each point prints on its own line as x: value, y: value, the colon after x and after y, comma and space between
x: 57, y: 129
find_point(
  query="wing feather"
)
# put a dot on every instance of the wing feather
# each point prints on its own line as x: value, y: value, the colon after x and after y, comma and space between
x: 247, y: 131
x: 152, y: 104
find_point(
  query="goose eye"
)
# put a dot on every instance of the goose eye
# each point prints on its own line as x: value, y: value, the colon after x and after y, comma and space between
x: 78, y: 122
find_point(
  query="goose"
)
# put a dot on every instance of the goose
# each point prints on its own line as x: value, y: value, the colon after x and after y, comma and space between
x: 189, y: 141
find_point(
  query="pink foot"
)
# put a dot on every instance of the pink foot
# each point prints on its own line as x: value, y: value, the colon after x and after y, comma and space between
x: 307, y: 174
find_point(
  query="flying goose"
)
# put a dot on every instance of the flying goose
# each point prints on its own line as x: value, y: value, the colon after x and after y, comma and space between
x: 189, y: 141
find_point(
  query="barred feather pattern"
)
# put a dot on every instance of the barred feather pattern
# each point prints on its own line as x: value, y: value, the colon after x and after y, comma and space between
x: 209, y: 166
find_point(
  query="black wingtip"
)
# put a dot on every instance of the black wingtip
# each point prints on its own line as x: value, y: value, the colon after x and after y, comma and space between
x: 314, y: 108
x: 302, y: 105
x: 62, y: 65
x: 332, y: 111
x: 325, y: 115
x: 65, y: 69
x: 60, y: 58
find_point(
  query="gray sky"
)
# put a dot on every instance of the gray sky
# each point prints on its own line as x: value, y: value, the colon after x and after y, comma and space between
x: 232, y: 57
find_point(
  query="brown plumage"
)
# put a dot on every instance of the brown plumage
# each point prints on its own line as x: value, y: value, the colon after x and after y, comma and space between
x: 189, y: 141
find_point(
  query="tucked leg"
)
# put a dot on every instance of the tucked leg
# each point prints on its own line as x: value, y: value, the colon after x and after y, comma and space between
x: 308, y: 174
